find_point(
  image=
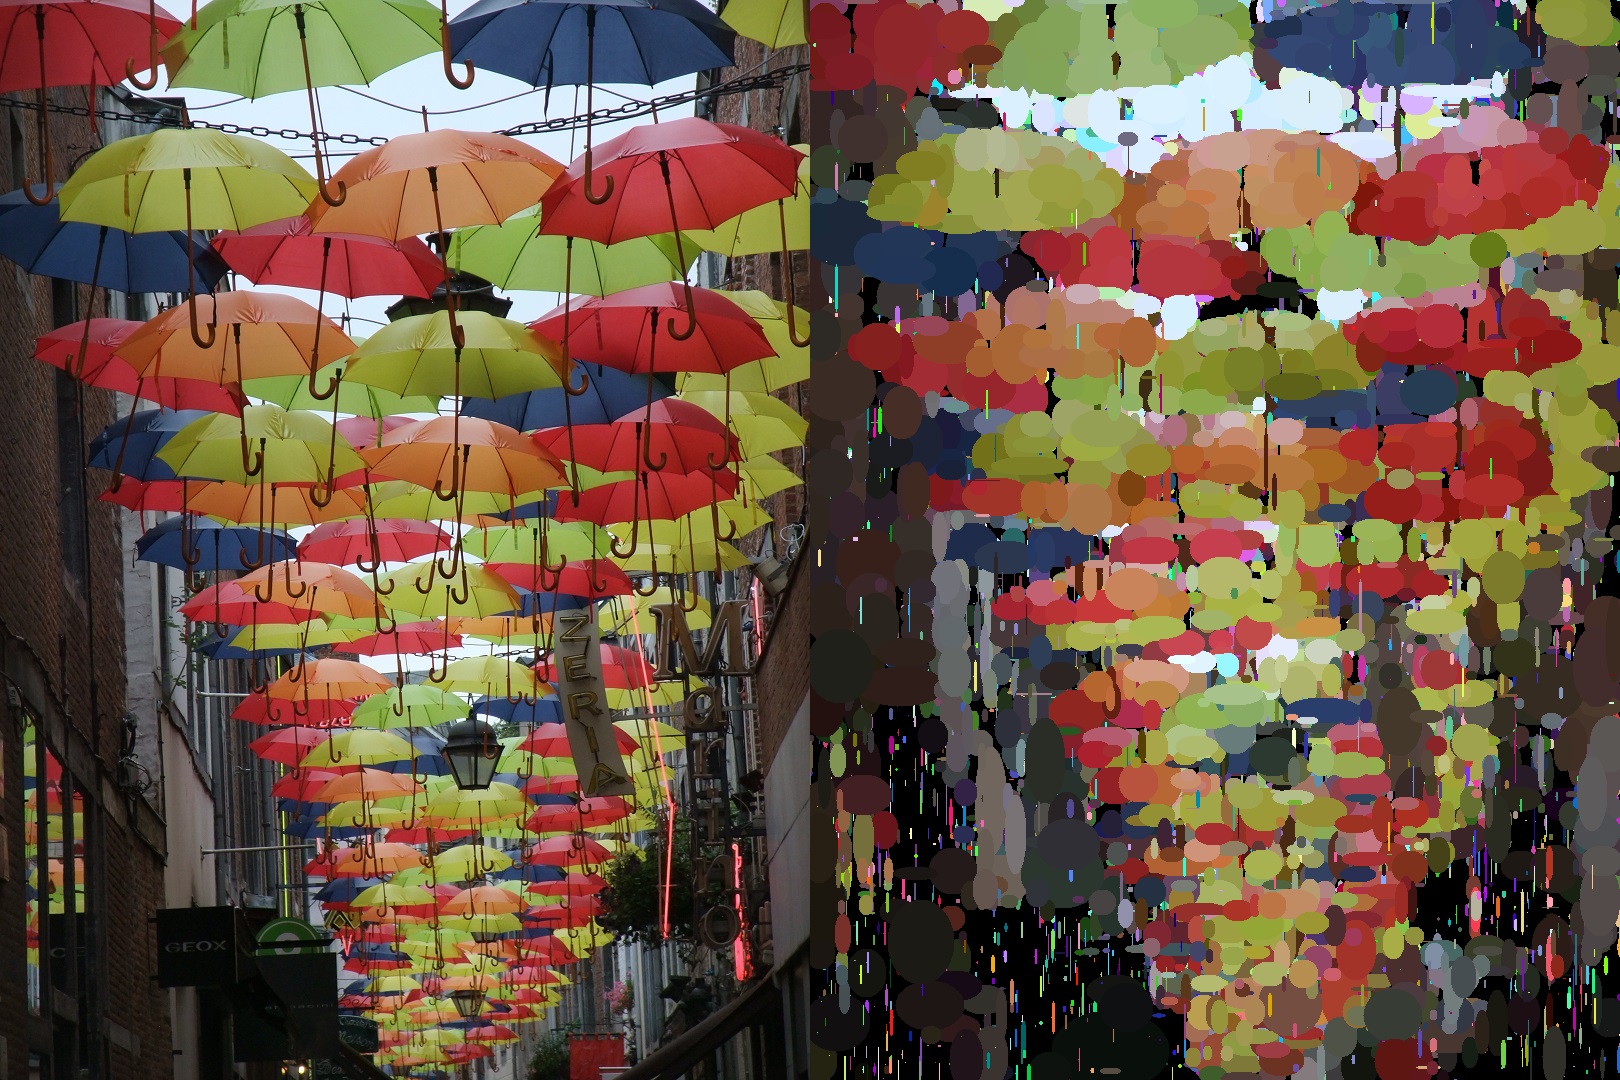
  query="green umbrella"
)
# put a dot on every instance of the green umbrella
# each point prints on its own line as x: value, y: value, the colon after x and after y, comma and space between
x: 513, y: 255
x: 256, y: 48
x: 294, y: 448
x: 357, y: 399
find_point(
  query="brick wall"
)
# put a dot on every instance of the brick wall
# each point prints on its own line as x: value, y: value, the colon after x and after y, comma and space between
x: 62, y: 649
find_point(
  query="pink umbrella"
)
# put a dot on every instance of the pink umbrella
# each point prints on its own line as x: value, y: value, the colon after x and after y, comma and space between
x: 359, y: 542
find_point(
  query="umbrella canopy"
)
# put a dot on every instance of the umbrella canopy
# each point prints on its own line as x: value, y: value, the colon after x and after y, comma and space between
x: 131, y: 446
x: 759, y: 231
x: 261, y: 334
x: 87, y: 350
x: 627, y: 331
x: 419, y: 356
x: 415, y: 706
x: 656, y: 496
x: 516, y: 255
x: 345, y: 543
x: 88, y: 43
x: 777, y: 24
x: 566, y: 43
x: 467, y: 455
x: 334, y: 679
x: 287, y: 252
x: 292, y: 447
x: 345, y: 42
x: 185, y: 178
x: 609, y: 394
x: 669, y: 434
x: 677, y: 174
x: 33, y: 235
x: 371, y: 405
x: 436, y: 180
x: 198, y: 544
x: 311, y: 586
x: 359, y: 747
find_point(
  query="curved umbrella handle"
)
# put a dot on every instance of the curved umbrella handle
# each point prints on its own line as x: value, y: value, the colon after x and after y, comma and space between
x: 315, y: 348
x: 787, y: 278
x: 680, y: 256
x: 691, y: 591
x: 153, y: 44
x: 255, y: 465
x: 731, y: 532
x: 646, y: 450
x: 262, y: 596
x: 259, y: 557
x: 457, y: 475
x: 449, y: 68
x: 691, y: 317
x: 44, y: 117
x: 653, y: 579
x: 388, y: 625
x: 447, y: 570
x: 635, y: 532
x: 466, y: 587
x: 585, y: 380
x: 726, y: 456
x: 594, y: 198
x: 196, y: 328
x: 190, y: 549
x: 321, y: 492
x: 303, y: 586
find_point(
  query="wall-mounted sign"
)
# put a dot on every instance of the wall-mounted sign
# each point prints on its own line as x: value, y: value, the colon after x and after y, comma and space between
x: 288, y: 933
x: 673, y: 634
x: 201, y: 946
x: 577, y: 661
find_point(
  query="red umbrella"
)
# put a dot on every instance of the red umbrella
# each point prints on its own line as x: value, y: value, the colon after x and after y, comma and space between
x: 491, y: 1033
x: 577, y: 912
x: 673, y: 433
x: 303, y: 784
x: 363, y: 544
x: 551, y: 785
x: 593, y: 578
x: 76, y: 43
x: 621, y: 670
x: 318, y: 712
x: 679, y: 174
x: 572, y: 885
x: 90, y: 354
x: 567, y: 850
x: 235, y: 604
x: 621, y: 330
x: 652, y: 496
x: 551, y: 740
x: 288, y: 252
x: 148, y: 496
x: 289, y: 746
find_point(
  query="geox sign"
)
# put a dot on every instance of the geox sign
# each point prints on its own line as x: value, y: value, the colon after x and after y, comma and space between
x: 200, y: 946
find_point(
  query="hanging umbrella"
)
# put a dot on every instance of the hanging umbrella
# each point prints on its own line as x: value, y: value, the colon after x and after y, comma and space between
x: 556, y: 43
x: 551, y: 740
x: 365, y: 544
x: 366, y: 785
x: 184, y: 179
x: 336, y: 680
x: 475, y: 592
x: 609, y: 395
x: 371, y: 406
x: 415, y: 706
x: 287, y: 252
x: 652, y: 496
x: 287, y: 746
x: 411, y: 638
x: 33, y: 235
x: 130, y: 447
x: 477, y: 807
x: 688, y: 173
x: 622, y: 331
x: 452, y: 455
x: 545, y: 711
x: 422, y: 356
x: 273, y: 504
x: 75, y: 43
x: 792, y: 360
x: 311, y: 586
x: 199, y: 545
x: 434, y: 181
x: 540, y: 542
x: 514, y: 255
x: 568, y: 851
x: 590, y: 578
x: 293, y: 447
x: 490, y: 675
x: 759, y: 231
x: 257, y: 709
x: 299, y: 47
x: 483, y: 900
x: 588, y: 813
x: 670, y: 434
x: 87, y: 350
x: 621, y: 670
x: 267, y: 334
x: 357, y: 746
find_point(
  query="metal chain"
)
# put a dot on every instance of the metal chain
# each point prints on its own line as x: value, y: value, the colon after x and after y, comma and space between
x: 628, y: 111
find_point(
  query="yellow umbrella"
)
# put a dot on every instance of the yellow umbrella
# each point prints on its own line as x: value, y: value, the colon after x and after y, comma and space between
x: 468, y: 861
x: 490, y: 676
x: 420, y: 589
x: 455, y: 807
x: 358, y: 746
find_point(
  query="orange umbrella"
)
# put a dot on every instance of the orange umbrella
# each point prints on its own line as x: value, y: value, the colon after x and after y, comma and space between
x: 273, y: 504
x: 332, y: 679
x: 476, y: 455
x: 433, y: 181
x: 372, y: 861
x: 265, y: 334
x: 483, y: 900
x: 436, y: 180
x: 367, y: 785
x: 313, y: 586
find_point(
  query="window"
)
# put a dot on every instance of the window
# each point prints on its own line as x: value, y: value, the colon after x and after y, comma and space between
x: 70, y: 514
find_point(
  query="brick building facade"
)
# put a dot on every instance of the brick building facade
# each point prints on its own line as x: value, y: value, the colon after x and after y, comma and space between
x: 62, y: 657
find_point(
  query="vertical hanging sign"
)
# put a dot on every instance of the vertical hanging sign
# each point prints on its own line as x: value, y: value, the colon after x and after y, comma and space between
x: 577, y: 661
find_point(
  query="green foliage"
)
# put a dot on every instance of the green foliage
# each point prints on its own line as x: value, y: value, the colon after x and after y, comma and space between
x: 633, y: 900
x: 550, y: 1061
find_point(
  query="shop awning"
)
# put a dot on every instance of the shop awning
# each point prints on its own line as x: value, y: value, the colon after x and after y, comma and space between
x: 675, y: 1058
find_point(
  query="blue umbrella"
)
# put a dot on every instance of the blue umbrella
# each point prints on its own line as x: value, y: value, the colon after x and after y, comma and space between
x: 541, y: 603
x: 555, y: 43
x: 344, y: 890
x: 610, y: 395
x: 429, y: 761
x: 36, y: 239
x: 130, y: 446
x: 568, y: 43
x: 215, y: 649
x: 202, y: 544
x: 544, y: 711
